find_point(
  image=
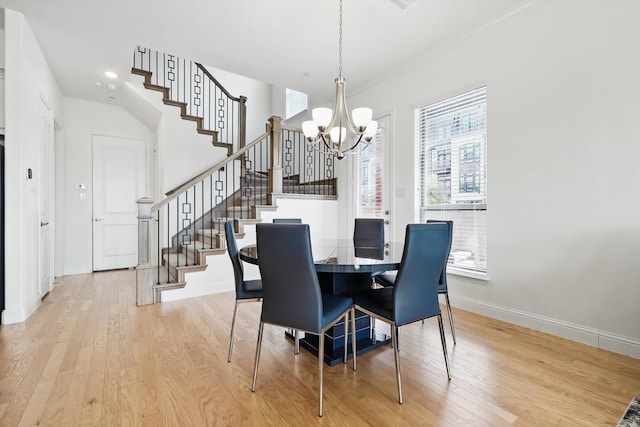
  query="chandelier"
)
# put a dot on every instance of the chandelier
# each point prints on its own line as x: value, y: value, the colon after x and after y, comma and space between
x: 334, y: 128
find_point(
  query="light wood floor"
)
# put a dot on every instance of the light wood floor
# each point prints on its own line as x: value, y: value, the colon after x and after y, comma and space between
x: 88, y: 356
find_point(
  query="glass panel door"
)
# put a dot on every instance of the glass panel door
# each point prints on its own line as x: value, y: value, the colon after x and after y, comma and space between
x: 371, y: 178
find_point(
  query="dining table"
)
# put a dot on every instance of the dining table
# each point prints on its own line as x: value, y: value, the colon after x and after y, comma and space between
x: 345, y: 269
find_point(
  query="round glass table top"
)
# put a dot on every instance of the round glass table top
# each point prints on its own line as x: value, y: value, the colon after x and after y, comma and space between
x: 341, y: 256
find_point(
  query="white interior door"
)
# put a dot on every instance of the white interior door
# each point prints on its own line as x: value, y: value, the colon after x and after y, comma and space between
x: 119, y: 179
x: 372, y: 175
x: 45, y: 179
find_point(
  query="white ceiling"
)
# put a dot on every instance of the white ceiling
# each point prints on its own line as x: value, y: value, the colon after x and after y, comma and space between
x: 291, y: 43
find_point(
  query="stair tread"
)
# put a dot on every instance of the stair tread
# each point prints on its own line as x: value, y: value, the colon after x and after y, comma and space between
x: 165, y: 286
x: 208, y: 232
x: 140, y: 72
x: 200, y: 249
x: 190, y: 117
x: 174, y: 103
x: 203, y: 131
x: 182, y: 261
x: 152, y: 86
x: 249, y: 221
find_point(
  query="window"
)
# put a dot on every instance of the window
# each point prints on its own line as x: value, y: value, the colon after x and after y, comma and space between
x: 295, y: 102
x: 451, y: 145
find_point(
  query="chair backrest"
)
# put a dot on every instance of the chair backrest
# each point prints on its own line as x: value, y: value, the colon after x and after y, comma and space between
x: 368, y: 233
x: 291, y: 292
x: 415, y: 294
x: 232, y: 249
x: 287, y: 221
x: 443, y: 276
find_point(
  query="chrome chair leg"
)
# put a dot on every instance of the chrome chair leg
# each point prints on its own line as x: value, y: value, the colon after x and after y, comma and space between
x: 394, y: 342
x: 373, y: 329
x: 346, y: 334
x: 444, y: 346
x: 453, y: 331
x: 233, y: 330
x: 320, y: 369
x: 296, y: 345
x: 258, y: 346
x: 353, y: 336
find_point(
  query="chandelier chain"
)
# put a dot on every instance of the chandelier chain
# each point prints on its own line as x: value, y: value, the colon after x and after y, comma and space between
x: 340, y: 41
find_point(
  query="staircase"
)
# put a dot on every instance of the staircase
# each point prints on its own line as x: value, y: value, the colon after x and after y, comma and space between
x: 201, y: 98
x: 177, y: 234
x: 210, y: 239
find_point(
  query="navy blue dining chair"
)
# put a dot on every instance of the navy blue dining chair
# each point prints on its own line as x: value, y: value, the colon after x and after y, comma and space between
x: 246, y: 290
x: 368, y: 240
x: 296, y: 334
x: 414, y: 295
x: 287, y: 221
x: 368, y: 233
x: 388, y: 279
x: 292, y: 297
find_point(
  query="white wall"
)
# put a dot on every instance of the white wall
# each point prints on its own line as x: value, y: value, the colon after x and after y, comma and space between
x: 2, y: 73
x: 563, y: 89
x: 28, y: 79
x: 84, y: 119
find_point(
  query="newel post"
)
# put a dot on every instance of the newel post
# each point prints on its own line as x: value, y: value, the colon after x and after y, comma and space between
x: 144, y: 269
x: 242, y: 114
x: 275, y: 169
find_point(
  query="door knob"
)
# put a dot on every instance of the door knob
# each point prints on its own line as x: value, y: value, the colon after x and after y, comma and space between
x: 42, y: 224
x: 98, y: 219
x: 386, y: 221
x: 386, y: 212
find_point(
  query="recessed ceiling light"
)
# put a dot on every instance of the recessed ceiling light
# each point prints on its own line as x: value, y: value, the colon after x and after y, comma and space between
x: 402, y: 4
x: 111, y: 74
x: 98, y: 84
x: 112, y: 86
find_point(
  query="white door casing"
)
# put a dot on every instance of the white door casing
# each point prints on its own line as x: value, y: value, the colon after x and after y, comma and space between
x: 45, y: 187
x: 119, y: 180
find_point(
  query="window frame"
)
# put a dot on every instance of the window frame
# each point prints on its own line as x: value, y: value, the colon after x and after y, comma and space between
x: 456, y: 124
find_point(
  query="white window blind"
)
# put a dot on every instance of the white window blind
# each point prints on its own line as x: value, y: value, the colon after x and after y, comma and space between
x: 451, y: 153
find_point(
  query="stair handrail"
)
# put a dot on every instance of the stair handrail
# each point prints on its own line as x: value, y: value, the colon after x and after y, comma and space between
x: 222, y: 88
x: 177, y: 191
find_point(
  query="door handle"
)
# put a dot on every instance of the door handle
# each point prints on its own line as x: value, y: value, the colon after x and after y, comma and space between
x: 386, y: 222
x: 386, y: 212
x: 98, y: 219
x: 42, y: 224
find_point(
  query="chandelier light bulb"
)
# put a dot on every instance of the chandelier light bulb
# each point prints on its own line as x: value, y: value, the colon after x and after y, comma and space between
x: 310, y: 129
x: 361, y: 117
x: 338, y: 135
x: 322, y: 117
x: 370, y: 131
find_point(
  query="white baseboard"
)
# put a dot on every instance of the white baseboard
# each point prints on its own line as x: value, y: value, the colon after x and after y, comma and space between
x: 197, y: 290
x: 572, y: 331
x: 619, y: 344
x: 18, y: 316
